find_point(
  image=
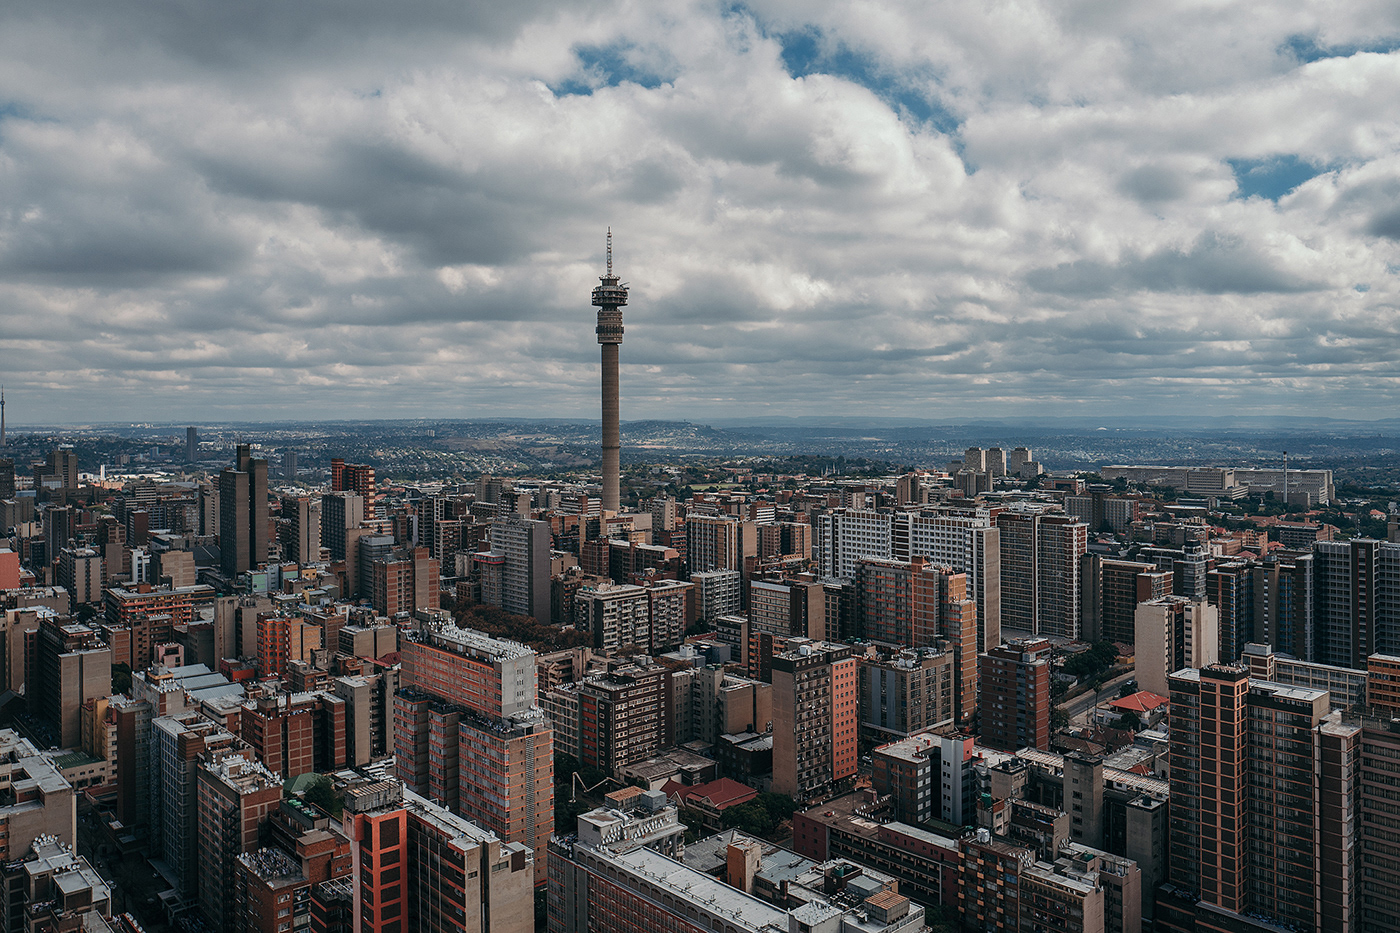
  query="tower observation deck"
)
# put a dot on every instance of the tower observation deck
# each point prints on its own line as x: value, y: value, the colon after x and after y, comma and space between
x: 609, y: 298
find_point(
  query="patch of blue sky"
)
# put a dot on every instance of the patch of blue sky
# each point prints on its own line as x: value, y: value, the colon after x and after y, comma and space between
x: 1273, y: 177
x: 805, y: 53
x: 606, y: 66
x: 1306, y: 48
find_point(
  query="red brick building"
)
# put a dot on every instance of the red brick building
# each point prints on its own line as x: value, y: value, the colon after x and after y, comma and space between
x: 1015, y: 684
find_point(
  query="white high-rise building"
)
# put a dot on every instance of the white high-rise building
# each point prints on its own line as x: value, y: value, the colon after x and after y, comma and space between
x: 963, y: 539
x: 524, y: 545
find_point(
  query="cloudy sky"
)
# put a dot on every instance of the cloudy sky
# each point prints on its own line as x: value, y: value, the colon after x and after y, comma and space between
x: 367, y: 209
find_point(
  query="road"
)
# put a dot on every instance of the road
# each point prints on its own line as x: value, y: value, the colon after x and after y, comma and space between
x: 1079, y: 707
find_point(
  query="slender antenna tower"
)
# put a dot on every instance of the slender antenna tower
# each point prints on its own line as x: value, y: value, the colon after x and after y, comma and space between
x: 609, y: 298
x: 2, y: 417
x: 1285, y: 481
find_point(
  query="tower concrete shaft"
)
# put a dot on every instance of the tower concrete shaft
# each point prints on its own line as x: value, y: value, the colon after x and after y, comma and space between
x: 609, y: 298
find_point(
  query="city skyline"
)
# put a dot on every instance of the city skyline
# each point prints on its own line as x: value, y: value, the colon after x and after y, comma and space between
x: 329, y: 211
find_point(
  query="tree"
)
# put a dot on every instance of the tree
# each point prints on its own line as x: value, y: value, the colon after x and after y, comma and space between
x: 1127, y: 689
x: 751, y: 818
x: 1129, y: 720
x: 1059, y: 719
x: 322, y: 794
x: 121, y: 678
x: 779, y: 806
x: 1088, y: 664
x: 564, y: 767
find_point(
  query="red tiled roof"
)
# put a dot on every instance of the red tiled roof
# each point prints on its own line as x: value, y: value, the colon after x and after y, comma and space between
x: 720, y: 794
x: 1144, y: 701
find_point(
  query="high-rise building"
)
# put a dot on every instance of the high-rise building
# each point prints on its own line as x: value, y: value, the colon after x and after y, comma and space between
x: 1377, y: 885
x: 281, y: 639
x: 60, y: 529
x: 1099, y: 508
x: 928, y: 776
x: 301, y: 529
x: 357, y: 478
x: 906, y: 692
x: 618, y: 617
x: 1284, y: 589
x: 1263, y: 791
x: 620, y: 872
x: 289, y: 464
x: 404, y: 581
x: 609, y: 298
x: 178, y: 744
x: 466, y: 725
x: 243, y: 514
x: 41, y: 802
x: 418, y: 867
x: 671, y: 612
x: 718, y: 542
x: 234, y: 799
x: 788, y: 607
x: 1112, y: 591
x: 716, y: 594
x: 1230, y: 589
x: 60, y: 472
x: 52, y: 889
x: 1041, y: 557
x: 295, y: 733
x: 341, y: 512
x: 80, y: 573
x: 491, y: 676
x: 1172, y: 633
x: 906, y: 489
x: 1356, y: 599
x: 963, y: 538
x: 191, y: 445
x: 816, y: 712
x: 369, y: 713
x: 74, y: 665
x: 622, y: 714
x: 522, y: 547
x: 1015, y: 685
x: 996, y: 461
x: 1016, y: 460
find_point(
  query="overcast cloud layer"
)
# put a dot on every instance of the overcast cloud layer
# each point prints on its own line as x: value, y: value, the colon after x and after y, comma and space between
x: 360, y: 209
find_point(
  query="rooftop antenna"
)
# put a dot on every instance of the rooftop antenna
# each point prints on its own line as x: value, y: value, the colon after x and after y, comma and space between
x: 609, y: 252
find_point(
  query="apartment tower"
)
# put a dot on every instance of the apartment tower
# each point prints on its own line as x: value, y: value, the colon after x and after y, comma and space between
x: 468, y: 734
x: 1263, y: 792
x: 815, y: 718
x: 243, y: 514
x: 1015, y: 685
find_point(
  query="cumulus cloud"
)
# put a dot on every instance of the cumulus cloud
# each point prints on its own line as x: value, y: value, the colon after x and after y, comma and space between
x: 359, y: 210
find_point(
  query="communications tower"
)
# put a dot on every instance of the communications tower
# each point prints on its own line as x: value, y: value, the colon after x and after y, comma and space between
x: 609, y: 298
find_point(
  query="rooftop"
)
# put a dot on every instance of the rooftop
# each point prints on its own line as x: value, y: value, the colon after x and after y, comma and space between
x: 1144, y: 701
x: 272, y: 866
x: 746, y: 911
x: 470, y: 642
